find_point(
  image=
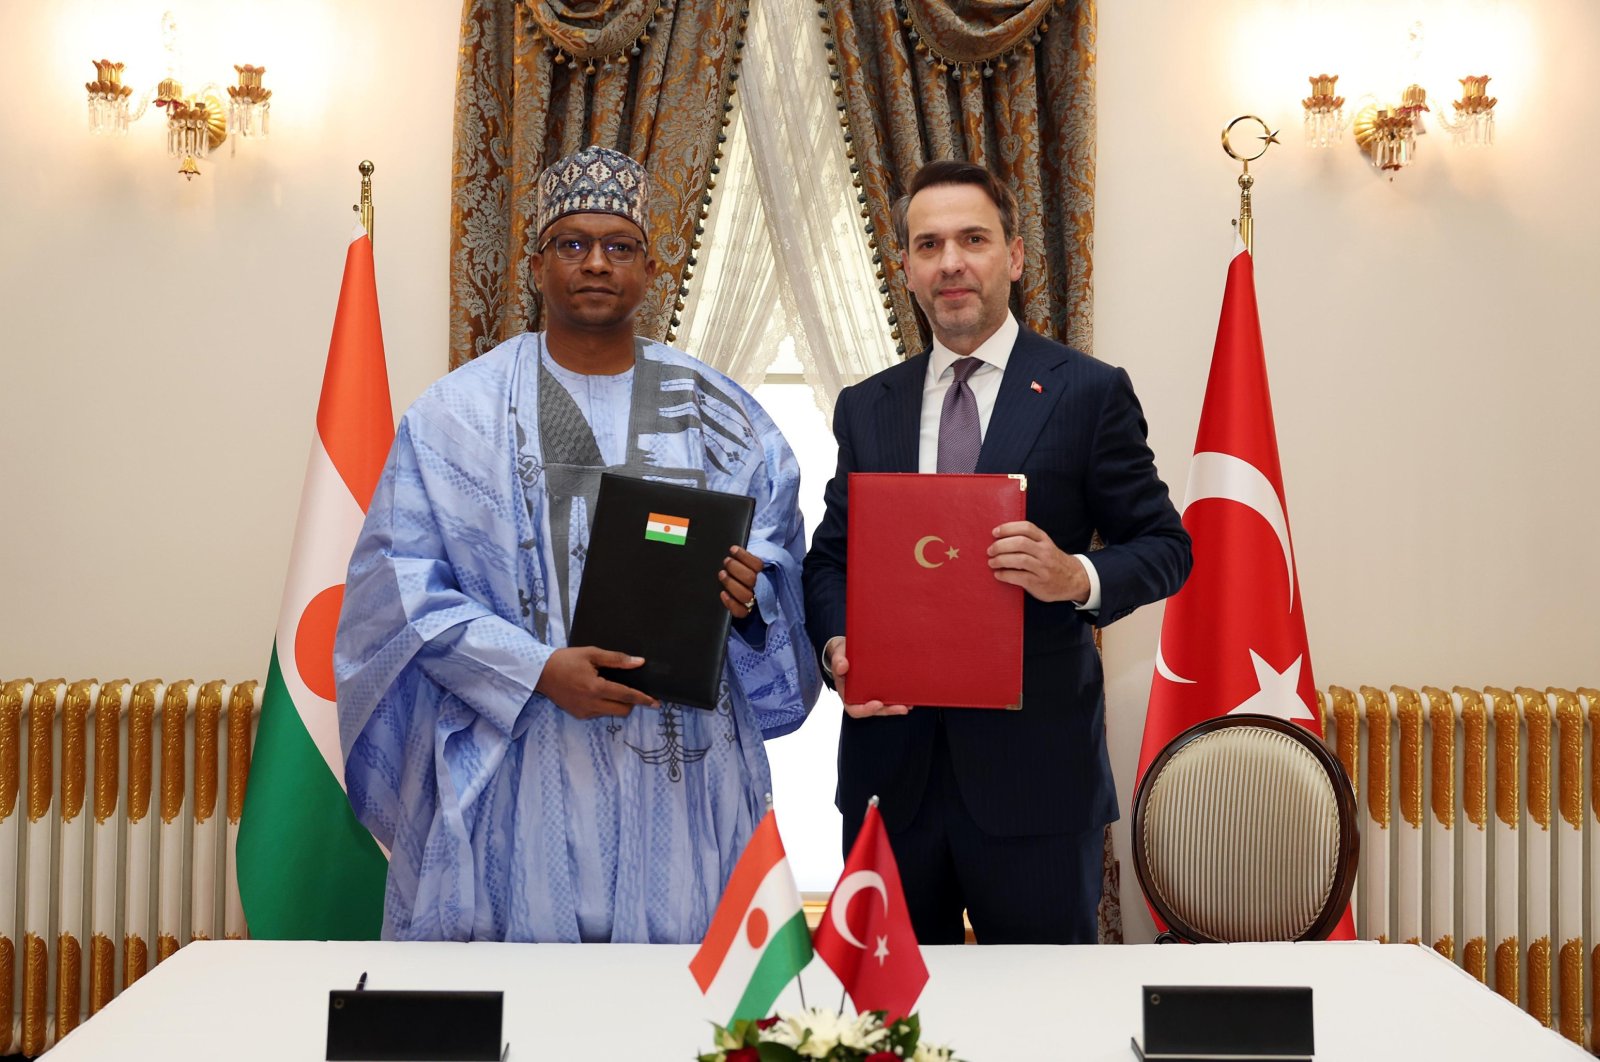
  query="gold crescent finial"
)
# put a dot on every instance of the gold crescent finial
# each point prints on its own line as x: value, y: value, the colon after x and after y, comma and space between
x: 1268, y: 137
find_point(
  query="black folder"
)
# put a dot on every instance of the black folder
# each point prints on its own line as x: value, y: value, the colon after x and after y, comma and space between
x: 650, y: 585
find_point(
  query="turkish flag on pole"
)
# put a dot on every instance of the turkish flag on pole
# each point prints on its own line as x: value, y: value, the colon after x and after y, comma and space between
x: 865, y: 936
x: 1234, y: 638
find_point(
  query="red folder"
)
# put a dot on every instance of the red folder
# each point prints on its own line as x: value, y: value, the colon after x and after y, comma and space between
x: 926, y: 621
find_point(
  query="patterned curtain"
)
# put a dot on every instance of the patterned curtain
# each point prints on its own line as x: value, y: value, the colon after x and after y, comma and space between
x: 1008, y: 84
x: 539, y: 79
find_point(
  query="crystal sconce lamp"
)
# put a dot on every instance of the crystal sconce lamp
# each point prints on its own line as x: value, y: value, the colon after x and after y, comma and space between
x: 1387, y: 133
x: 197, y: 123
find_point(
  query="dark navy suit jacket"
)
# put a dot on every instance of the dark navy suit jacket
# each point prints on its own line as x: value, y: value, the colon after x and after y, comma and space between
x: 1080, y: 440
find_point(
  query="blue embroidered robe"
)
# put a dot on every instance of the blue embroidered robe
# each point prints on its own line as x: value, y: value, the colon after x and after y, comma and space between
x: 505, y: 817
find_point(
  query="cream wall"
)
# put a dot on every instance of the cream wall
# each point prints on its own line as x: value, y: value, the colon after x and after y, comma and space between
x: 164, y: 341
x: 1433, y: 373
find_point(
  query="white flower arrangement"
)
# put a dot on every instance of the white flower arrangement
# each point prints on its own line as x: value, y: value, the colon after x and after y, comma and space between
x: 825, y: 1035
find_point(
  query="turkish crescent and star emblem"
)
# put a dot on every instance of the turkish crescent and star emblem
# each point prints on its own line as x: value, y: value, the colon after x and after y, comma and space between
x: 1223, y: 477
x: 843, y: 893
x: 948, y: 552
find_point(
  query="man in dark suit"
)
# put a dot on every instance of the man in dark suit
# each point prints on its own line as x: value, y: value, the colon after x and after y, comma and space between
x: 998, y: 813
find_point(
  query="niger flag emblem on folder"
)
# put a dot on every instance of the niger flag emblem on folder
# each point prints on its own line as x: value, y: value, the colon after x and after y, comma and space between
x: 673, y: 530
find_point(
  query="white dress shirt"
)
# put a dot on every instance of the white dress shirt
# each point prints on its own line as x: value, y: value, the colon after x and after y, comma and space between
x: 994, y: 352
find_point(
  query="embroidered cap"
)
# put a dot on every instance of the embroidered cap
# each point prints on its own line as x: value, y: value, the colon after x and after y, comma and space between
x: 595, y: 180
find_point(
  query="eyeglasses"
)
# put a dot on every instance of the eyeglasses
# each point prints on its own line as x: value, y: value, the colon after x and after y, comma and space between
x: 619, y: 250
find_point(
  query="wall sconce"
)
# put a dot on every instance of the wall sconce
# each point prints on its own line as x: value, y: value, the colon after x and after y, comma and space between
x: 197, y: 123
x: 1387, y: 132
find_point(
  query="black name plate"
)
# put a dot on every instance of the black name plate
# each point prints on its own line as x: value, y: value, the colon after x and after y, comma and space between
x: 366, y: 1025
x: 1203, y: 1022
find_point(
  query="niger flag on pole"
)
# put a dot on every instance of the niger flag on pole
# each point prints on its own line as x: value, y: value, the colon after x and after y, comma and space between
x: 1233, y: 640
x: 307, y: 869
x: 757, y: 942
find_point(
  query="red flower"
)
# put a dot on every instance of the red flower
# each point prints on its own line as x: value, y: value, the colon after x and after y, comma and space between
x: 749, y: 1054
x: 766, y: 1023
x: 884, y: 1056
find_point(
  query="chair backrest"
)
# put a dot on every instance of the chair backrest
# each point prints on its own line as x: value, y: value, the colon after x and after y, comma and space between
x: 1244, y: 829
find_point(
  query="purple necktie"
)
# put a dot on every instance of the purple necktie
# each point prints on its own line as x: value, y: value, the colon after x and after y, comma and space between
x: 960, y: 435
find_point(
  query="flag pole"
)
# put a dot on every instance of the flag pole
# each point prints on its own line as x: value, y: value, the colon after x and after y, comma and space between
x: 364, y: 208
x: 307, y: 869
x: 1246, y: 222
x: 872, y: 802
x: 800, y: 984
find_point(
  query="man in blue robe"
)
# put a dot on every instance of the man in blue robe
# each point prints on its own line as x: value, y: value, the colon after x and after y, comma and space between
x: 521, y: 795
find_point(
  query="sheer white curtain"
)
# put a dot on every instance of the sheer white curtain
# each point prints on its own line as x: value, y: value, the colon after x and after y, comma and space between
x: 784, y: 253
x: 732, y: 317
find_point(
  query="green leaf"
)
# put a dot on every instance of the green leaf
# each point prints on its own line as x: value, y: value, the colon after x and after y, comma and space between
x: 904, y: 1034
x: 743, y: 1032
x: 770, y: 1052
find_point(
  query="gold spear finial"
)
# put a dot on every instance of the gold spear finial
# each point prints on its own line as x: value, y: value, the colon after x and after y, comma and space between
x: 364, y: 208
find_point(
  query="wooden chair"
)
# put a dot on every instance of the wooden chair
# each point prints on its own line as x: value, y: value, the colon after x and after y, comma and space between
x: 1244, y: 829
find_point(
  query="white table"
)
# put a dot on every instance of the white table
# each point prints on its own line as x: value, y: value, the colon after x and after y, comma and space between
x: 268, y: 1000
